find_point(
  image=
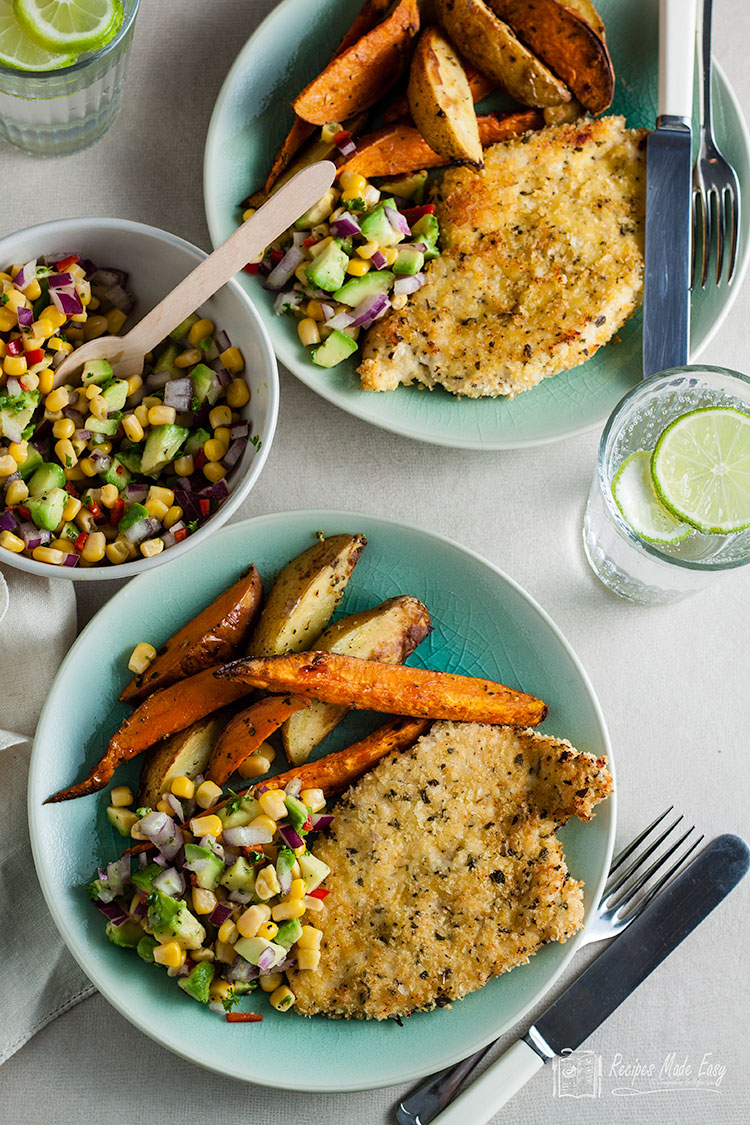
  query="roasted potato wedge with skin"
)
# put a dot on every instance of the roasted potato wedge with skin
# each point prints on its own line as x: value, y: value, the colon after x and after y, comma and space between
x: 304, y: 596
x: 211, y: 638
x: 495, y: 50
x: 247, y: 731
x: 399, y: 149
x: 358, y: 77
x: 390, y: 632
x: 563, y: 114
x: 396, y: 689
x: 479, y: 84
x: 567, y: 44
x: 440, y: 100
x: 186, y: 753
x: 587, y: 10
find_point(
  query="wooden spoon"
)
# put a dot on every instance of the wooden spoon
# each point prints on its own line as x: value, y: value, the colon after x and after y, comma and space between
x: 126, y: 353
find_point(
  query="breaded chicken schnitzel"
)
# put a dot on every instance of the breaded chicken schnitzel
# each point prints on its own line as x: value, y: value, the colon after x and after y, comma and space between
x: 446, y: 869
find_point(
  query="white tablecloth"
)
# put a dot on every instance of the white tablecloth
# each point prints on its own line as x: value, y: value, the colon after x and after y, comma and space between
x: 673, y: 682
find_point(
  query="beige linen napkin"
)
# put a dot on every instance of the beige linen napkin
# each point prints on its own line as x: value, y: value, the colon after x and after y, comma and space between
x: 38, y: 977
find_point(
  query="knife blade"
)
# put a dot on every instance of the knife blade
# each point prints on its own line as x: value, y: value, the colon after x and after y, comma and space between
x: 609, y: 980
x: 666, y: 287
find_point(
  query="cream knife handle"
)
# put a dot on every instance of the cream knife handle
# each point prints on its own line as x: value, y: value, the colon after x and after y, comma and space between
x: 677, y: 28
x: 489, y: 1093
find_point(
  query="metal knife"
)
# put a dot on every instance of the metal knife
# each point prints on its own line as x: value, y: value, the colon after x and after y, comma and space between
x: 666, y: 294
x: 609, y: 980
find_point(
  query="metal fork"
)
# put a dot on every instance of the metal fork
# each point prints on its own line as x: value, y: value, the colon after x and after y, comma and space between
x: 716, y: 190
x: 636, y: 875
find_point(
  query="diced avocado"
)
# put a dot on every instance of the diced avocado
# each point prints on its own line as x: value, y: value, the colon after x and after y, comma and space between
x: 358, y: 288
x: 115, y: 394
x: 288, y: 933
x: 109, y: 425
x: 328, y: 270
x: 165, y: 362
x: 117, y: 474
x: 251, y: 948
x: 130, y: 458
x: 169, y: 919
x: 32, y: 462
x: 96, y: 371
x: 70, y: 532
x: 208, y: 875
x: 239, y: 877
x: 48, y: 476
x: 161, y: 445
x: 285, y: 861
x: 296, y: 811
x: 313, y: 871
x: 127, y: 935
x: 145, y: 948
x: 319, y: 211
x: 409, y: 261
x: 336, y: 348
x: 182, y: 329
x: 247, y: 808
x: 46, y: 511
x: 119, y: 818
x: 98, y: 891
x: 196, y: 441
x: 134, y: 513
x: 407, y: 187
x: 198, y: 981
x: 16, y: 412
x: 144, y: 877
x: 376, y: 227
x: 203, y: 378
x: 427, y: 230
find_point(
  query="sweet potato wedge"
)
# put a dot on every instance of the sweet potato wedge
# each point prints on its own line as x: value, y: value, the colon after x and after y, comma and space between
x: 567, y: 43
x: 390, y: 632
x: 394, y: 688
x: 401, y: 148
x: 440, y: 100
x: 358, y: 77
x: 245, y: 733
x: 495, y: 50
x: 185, y: 753
x: 213, y: 637
x: 479, y: 84
x: 304, y: 596
x: 587, y: 10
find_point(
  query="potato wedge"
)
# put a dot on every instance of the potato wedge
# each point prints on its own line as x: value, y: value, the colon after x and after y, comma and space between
x: 358, y: 77
x: 567, y: 44
x: 186, y: 752
x: 494, y: 49
x: 390, y: 632
x: 563, y: 114
x: 587, y: 10
x: 440, y: 100
x: 304, y: 596
x: 479, y: 84
x: 395, y: 689
x: 247, y: 731
x: 211, y: 638
x: 399, y: 149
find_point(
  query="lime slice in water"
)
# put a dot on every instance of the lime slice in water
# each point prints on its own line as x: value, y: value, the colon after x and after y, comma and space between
x: 641, y: 508
x: 20, y: 52
x: 701, y: 469
x: 69, y: 25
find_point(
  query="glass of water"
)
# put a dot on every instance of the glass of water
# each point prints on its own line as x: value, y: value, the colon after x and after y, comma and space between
x: 646, y: 572
x: 54, y: 112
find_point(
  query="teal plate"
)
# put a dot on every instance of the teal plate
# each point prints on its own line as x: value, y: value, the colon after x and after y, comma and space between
x: 252, y: 116
x: 484, y: 623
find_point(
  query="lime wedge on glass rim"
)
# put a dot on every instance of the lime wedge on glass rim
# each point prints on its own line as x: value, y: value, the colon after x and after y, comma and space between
x: 21, y: 53
x: 634, y: 494
x: 701, y: 469
x: 70, y: 25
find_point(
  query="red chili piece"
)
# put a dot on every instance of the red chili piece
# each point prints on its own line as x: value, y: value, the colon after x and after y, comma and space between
x: 180, y: 534
x: 36, y: 355
x: 115, y: 512
x: 80, y: 542
x: 412, y: 214
x: 15, y: 347
x: 244, y: 1017
x: 319, y: 892
x: 251, y: 267
x: 66, y: 263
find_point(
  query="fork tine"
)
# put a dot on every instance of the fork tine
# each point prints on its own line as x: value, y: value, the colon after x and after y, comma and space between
x: 734, y: 202
x: 693, y: 235
x: 630, y: 848
x: 667, y: 876
x: 707, y: 234
x: 610, y: 892
x: 629, y: 892
x: 721, y: 232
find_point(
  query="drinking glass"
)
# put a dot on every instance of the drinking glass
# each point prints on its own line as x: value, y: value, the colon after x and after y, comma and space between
x: 644, y: 572
x: 54, y: 112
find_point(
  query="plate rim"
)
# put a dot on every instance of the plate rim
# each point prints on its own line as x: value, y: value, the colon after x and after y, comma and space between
x: 446, y: 440
x: 101, y: 981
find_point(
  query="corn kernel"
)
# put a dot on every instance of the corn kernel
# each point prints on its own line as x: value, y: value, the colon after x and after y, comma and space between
x: 48, y: 555
x: 57, y: 399
x: 33, y: 290
x: 62, y: 545
x: 308, y: 959
x: 390, y: 254
x: 184, y: 466
x: 255, y: 765
x: 8, y: 319
x: 315, y: 905
x: 204, y: 901
x: 207, y: 794
x: 171, y: 954
x: 202, y: 954
x: 18, y: 451
x: 310, y: 938
x: 162, y: 415
x: 269, y: 982
x: 266, y: 883
x: 297, y: 889
x: 135, y: 382
x: 109, y: 495
x: 156, y: 508
x: 219, y: 990
x: 46, y: 379
x: 157, y: 492
x: 399, y: 301
x: 16, y: 299
x: 206, y: 825
x: 11, y: 542
x: 53, y: 316
x: 183, y: 787
x: 141, y: 413
x: 367, y: 249
x: 214, y: 471
x: 150, y: 548
x: 214, y: 450
x: 220, y: 416
x: 14, y: 364
x: 238, y: 394
x: 266, y: 822
x: 308, y: 331
x: 163, y: 805
x: 65, y: 453
x: 94, y: 547
x: 227, y: 931
x: 268, y: 930
x: 272, y: 804
x: 189, y: 357
x: 224, y: 952
x: 284, y: 910
x: 16, y: 492
x: 95, y: 326
x: 117, y: 553
x: 282, y: 998
x: 140, y: 658
x: 314, y: 799
x: 89, y: 468
x: 115, y: 320
x: 248, y: 213
x: 64, y: 428
x: 121, y: 796
x: 232, y: 361
x: 200, y: 330
x: 250, y: 921
x: 357, y: 267
x: 132, y: 427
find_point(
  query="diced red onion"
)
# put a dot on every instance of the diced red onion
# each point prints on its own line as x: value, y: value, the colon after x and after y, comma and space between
x: 246, y: 836
x: 238, y: 430
x: 322, y: 821
x: 288, y: 963
x: 141, y: 530
x: 140, y: 909
x: 219, y: 914
x: 222, y: 340
x: 346, y: 226
x: 33, y: 536
x: 378, y: 260
x: 179, y: 526
x: 155, y: 380
x: 290, y: 836
x: 112, y: 911
x: 211, y: 844
x: 214, y: 390
x: 118, y: 874
x: 12, y: 386
x: 281, y: 273
x: 347, y: 148
x: 369, y: 309
x: 162, y: 862
x: 75, y: 417
x: 161, y: 830
x: 8, y: 521
x: 397, y: 221
x: 170, y: 882
x: 217, y: 491
x: 25, y: 317
x: 61, y: 281
x: 136, y: 492
x: 240, y: 897
x: 293, y: 788
x: 267, y: 960
x: 179, y: 393
x: 12, y: 430
x: 409, y: 284
x: 240, y: 969
x: 341, y: 320
x: 290, y: 299
x: 82, y: 435
x: 102, y: 460
x: 176, y: 807
x: 119, y: 298
x: 25, y: 275
x: 234, y: 453
x: 68, y: 302
x: 106, y: 278
x: 70, y: 559
x: 222, y: 374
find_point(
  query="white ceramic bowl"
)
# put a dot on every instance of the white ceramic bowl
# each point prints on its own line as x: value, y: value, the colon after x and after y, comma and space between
x: 156, y: 261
